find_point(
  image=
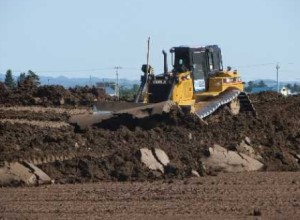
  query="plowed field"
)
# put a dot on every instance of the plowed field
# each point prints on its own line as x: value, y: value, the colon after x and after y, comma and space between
x: 269, y: 195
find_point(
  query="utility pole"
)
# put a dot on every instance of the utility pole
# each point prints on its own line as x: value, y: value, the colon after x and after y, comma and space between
x: 277, y: 70
x: 117, y: 88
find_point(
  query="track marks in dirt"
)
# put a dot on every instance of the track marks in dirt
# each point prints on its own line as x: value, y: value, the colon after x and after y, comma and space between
x: 41, y: 124
x: 227, y: 196
x: 39, y: 109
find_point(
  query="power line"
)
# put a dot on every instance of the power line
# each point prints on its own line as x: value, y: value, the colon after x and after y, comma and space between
x: 263, y: 64
x: 67, y: 71
x: 256, y: 65
x: 290, y: 71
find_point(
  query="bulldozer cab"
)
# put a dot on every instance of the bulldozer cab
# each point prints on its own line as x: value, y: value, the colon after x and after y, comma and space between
x: 200, y: 61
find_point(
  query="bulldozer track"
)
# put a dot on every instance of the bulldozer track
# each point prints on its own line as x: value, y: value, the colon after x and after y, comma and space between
x: 246, y: 104
x: 211, y: 106
x: 207, y: 108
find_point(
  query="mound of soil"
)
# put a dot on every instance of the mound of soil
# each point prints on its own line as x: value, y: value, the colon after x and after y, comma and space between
x: 51, y: 95
x: 110, y: 150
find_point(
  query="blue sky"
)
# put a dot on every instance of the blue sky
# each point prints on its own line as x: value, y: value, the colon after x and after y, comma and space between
x: 81, y: 38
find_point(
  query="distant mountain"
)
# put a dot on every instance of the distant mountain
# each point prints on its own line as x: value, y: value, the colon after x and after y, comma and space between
x: 71, y: 82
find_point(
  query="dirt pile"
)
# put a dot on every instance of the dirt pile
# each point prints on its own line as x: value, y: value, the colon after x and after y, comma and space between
x: 111, y: 150
x: 51, y: 95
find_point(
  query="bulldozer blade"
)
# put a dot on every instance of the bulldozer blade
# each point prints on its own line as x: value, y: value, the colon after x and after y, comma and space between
x: 84, y: 121
x: 146, y: 110
x: 136, y: 110
x: 114, y: 106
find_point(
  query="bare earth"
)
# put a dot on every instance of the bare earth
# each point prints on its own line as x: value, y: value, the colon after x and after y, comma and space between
x: 262, y: 195
x: 95, y: 159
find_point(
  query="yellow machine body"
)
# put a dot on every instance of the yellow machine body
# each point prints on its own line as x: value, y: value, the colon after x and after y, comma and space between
x: 183, y: 92
x: 184, y: 95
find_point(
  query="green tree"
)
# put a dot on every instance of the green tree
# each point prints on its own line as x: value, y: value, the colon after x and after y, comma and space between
x: 295, y: 88
x: 21, y: 78
x: 251, y: 83
x: 135, y: 88
x: 128, y: 93
x: 289, y: 86
x: 9, y: 80
x: 34, y: 78
x: 261, y: 84
x: 250, y: 86
x: 28, y: 81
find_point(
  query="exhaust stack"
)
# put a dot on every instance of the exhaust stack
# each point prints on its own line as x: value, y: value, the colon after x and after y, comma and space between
x: 165, y: 62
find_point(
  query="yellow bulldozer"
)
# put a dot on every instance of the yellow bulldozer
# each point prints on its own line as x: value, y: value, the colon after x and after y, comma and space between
x: 197, y: 84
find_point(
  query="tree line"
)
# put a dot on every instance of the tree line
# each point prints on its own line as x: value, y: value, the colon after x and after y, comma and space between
x: 24, y: 80
x: 31, y: 80
x: 252, y: 84
x: 295, y: 88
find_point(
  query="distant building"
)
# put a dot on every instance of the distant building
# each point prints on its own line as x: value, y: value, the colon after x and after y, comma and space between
x: 285, y: 91
x: 282, y: 89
